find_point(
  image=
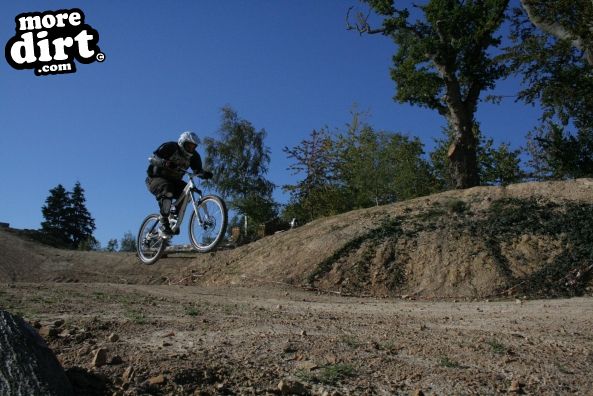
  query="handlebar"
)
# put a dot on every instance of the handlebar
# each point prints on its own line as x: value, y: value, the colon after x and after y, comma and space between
x: 191, y: 174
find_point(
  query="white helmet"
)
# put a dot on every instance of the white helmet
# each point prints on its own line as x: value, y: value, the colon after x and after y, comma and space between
x: 184, y: 139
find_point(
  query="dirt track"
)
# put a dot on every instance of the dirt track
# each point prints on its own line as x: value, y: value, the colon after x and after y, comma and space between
x: 246, y: 341
x: 238, y: 327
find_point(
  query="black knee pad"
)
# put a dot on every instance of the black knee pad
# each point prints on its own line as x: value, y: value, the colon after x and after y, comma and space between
x: 165, y: 204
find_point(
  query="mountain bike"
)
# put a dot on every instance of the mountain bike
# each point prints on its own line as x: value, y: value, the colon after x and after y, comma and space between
x: 207, y: 224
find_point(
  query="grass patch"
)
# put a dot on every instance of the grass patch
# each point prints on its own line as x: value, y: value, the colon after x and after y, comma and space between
x: 497, y: 347
x: 388, y: 345
x: 305, y: 375
x: 100, y: 296
x: 351, y: 341
x: 136, y: 317
x: 191, y: 311
x: 228, y: 309
x: 327, y: 375
x: 444, y: 361
x: 331, y: 375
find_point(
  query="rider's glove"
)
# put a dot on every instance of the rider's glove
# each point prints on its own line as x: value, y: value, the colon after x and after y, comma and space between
x: 206, y: 174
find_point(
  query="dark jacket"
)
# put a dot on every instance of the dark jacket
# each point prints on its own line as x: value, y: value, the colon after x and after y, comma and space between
x: 170, y: 156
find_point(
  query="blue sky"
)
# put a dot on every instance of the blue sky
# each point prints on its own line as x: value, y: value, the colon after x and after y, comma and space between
x: 286, y: 66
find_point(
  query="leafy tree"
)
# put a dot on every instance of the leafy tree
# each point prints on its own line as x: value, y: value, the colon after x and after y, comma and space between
x: 556, y: 154
x: 318, y: 193
x: 499, y: 166
x: 354, y: 169
x: 56, y: 215
x: 80, y: 223
x: 239, y: 160
x: 443, y: 62
x: 381, y: 167
x: 112, y: 245
x: 128, y: 243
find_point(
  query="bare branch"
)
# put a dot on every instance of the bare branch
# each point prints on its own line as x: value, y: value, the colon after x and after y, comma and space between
x: 362, y: 25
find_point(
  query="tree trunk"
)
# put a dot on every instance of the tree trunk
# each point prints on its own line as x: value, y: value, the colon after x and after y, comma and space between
x: 464, y: 162
x: 463, y: 151
x: 27, y: 365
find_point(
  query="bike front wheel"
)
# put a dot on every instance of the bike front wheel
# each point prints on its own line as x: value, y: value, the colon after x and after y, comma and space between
x: 149, y: 244
x: 207, y: 225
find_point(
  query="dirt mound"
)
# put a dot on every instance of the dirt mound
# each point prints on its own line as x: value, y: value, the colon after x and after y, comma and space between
x: 531, y: 238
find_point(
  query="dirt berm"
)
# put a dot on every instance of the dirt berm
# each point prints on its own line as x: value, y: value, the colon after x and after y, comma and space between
x: 531, y: 239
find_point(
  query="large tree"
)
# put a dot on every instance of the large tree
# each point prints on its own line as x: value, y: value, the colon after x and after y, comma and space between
x: 444, y: 62
x: 239, y: 159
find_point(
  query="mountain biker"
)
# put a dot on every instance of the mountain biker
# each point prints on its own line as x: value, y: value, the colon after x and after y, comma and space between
x: 166, y: 170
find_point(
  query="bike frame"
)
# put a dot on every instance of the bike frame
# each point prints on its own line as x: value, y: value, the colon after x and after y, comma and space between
x: 185, y: 198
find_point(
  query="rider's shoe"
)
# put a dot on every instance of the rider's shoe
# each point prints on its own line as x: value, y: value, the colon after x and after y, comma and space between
x: 166, y: 231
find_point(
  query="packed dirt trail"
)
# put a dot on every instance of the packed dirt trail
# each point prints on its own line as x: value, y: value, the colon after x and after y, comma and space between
x: 224, y: 340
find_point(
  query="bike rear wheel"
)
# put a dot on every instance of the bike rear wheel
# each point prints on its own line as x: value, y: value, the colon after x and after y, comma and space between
x: 208, y: 226
x: 149, y: 243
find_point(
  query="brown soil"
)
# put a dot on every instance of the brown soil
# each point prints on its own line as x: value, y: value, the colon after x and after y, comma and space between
x: 307, y: 306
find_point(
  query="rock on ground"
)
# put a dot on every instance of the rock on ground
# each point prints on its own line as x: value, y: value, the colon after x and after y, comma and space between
x: 27, y: 365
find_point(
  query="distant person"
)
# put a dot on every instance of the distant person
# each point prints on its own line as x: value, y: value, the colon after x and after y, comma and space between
x: 166, y: 170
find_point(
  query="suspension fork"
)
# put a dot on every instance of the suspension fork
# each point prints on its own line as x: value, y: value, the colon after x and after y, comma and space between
x: 196, y: 204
